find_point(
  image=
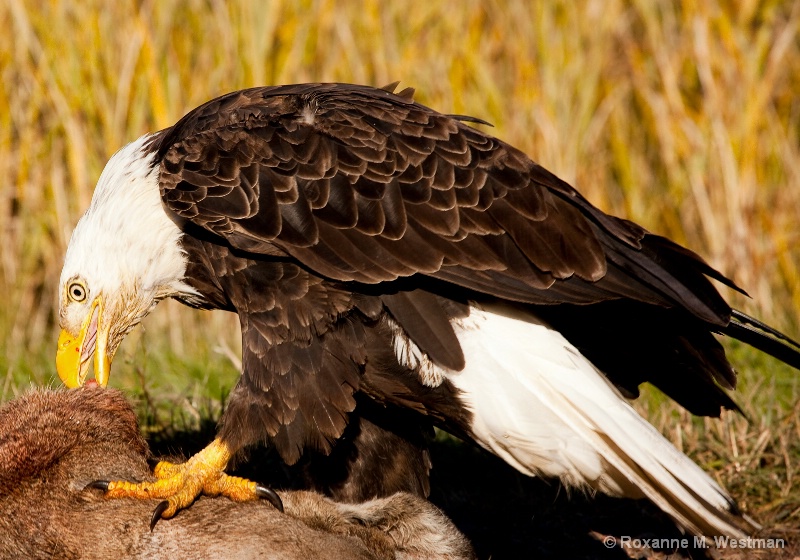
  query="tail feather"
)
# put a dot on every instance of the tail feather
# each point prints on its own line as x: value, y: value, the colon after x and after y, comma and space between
x: 765, y: 338
x: 545, y: 409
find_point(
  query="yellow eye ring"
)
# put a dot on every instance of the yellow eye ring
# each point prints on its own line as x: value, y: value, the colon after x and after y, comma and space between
x: 76, y: 291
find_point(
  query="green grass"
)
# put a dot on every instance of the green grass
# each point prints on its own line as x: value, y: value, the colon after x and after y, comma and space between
x: 680, y: 116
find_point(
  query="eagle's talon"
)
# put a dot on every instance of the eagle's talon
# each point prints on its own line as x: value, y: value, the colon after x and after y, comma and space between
x: 97, y: 485
x: 270, y: 495
x: 178, y: 485
x: 157, y: 513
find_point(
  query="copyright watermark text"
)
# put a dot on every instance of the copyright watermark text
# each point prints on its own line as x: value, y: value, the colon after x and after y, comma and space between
x: 626, y: 541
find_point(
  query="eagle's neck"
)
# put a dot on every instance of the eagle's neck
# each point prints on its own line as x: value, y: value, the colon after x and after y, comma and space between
x: 126, y: 237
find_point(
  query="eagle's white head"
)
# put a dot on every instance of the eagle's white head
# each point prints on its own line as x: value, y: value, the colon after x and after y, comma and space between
x: 123, y: 258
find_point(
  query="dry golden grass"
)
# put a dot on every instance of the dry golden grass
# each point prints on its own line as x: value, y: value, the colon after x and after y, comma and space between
x: 684, y: 117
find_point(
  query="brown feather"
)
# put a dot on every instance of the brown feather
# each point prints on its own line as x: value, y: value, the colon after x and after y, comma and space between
x: 424, y: 320
x: 305, y: 200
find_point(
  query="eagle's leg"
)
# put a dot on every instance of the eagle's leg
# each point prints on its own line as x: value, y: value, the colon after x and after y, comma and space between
x: 384, y: 450
x: 180, y: 484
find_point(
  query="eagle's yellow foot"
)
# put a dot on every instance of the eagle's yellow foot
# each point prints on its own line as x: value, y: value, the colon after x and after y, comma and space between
x: 180, y: 484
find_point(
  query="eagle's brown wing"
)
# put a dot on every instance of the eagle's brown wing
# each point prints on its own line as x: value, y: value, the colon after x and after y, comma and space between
x: 359, y: 184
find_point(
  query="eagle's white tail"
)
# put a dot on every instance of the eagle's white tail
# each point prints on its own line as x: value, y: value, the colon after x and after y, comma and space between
x: 546, y: 410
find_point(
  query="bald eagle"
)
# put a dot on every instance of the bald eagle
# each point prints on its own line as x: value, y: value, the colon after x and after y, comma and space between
x: 376, y: 250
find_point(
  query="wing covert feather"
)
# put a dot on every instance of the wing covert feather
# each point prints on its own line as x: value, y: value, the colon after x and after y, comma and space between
x: 359, y: 184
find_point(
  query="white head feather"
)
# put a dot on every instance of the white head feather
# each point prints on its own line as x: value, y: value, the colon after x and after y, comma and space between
x: 125, y: 246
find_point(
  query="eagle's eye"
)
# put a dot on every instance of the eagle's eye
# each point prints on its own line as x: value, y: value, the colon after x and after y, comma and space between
x: 76, y: 292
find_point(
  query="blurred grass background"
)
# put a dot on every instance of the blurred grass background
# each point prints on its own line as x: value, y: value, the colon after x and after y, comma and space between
x: 682, y: 116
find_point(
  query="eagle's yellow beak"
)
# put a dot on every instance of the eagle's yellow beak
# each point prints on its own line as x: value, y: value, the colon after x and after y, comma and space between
x: 74, y: 352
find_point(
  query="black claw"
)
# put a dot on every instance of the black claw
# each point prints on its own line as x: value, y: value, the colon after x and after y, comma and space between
x: 160, y: 508
x: 270, y: 495
x: 98, y: 485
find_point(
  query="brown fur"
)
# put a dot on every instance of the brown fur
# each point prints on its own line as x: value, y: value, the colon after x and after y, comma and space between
x: 53, y: 443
